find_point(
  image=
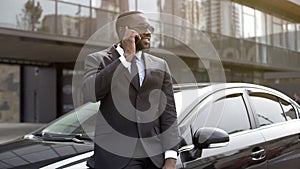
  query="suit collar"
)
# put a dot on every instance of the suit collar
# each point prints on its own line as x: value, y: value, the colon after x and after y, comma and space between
x: 148, y: 62
x: 113, y: 53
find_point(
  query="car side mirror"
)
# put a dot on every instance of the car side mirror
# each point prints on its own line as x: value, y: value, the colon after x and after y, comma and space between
x: 207, y: 137
x: 210, y: 137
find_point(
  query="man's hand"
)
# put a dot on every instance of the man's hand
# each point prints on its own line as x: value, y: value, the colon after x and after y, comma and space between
x: 128, y: 43
x: 170, y: 163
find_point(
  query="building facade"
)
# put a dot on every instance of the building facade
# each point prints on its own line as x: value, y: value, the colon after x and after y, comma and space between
x: 42, y: 39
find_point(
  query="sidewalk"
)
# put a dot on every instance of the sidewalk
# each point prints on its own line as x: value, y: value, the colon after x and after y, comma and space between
x: 11, y: 131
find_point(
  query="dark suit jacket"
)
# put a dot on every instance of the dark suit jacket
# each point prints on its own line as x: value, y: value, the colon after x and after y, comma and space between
x: 128, y: 112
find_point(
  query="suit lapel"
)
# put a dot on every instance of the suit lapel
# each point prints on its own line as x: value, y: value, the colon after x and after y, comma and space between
x: 148, y: 65
x: 114, y: 54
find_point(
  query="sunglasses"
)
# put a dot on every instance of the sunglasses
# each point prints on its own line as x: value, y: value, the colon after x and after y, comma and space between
x: 142, y: 28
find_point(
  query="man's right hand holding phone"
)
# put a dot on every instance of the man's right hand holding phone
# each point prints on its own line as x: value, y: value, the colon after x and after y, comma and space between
x: 128, y: 43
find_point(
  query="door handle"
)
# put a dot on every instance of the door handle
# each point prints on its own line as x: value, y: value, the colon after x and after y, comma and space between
x: 258, y: 155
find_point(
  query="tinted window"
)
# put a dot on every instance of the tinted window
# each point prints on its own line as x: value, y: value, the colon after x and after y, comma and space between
x: 228, y: 113
x: 288, y: 110
x: 267, y: 108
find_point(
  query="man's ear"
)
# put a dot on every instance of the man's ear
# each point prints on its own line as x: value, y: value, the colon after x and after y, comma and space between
x: 121, y: 32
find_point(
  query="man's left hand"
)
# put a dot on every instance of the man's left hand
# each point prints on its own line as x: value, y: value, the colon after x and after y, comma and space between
x: 170, y: 163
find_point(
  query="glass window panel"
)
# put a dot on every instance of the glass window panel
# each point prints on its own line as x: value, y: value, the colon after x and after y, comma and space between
x: 132, y: 4
x: 269, y: 29
x: 288, y: 109
x: 249, y: 26
x: 149, y: 5
x: 284, y: 34
x: 260, y: 23
x: 18, y: 17
x: 68, y: 19
x: 267, y: 108
x: 228, y: 21
x: 47, y: 18
x: 221, y: 113
x: 111, y: 5
x: 104, y: 20
x: 13, y: 13
x: 277, y: 32
x: 291, y: 36
x: 276, y: 20
x: 84, y: 22
x: 234, y: 108
x: 96, y: 3
x: 261, y: 53
x: 94, y: 20
x: 214, y: 15
x: 239, y: 20
x: 247, y: 10
x: 298, y: 37
x: 81, y: 2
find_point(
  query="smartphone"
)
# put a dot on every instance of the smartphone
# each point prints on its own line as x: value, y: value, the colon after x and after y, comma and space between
x: 136, y: 39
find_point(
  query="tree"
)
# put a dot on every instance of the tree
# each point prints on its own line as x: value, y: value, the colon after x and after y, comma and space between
x: 30, y: 16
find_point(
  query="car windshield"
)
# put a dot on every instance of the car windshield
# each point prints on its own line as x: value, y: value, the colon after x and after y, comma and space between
x: 80, y: 121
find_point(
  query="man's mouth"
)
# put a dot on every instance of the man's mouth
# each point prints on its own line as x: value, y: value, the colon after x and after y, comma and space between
x: 146, y: 39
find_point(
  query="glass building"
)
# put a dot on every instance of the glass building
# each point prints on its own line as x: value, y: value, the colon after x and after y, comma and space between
x: 42, y: 39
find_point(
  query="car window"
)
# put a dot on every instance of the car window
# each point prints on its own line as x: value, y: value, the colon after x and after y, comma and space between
x: 267, y: 107
x: 80, y: 121
x: 228, y: 113
x: 297, y: 108
x: 288, y: 109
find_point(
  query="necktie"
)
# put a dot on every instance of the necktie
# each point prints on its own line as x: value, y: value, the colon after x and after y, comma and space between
x: 134, y: 73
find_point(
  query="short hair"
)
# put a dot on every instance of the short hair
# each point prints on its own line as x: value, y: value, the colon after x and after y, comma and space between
x: 124, y: 17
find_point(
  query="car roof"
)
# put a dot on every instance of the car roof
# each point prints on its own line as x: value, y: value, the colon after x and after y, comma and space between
x: 201, y: 90
x: 218, y: 86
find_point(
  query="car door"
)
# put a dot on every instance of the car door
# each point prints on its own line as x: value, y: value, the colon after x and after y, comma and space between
x: 279, y: 123
x: 227, y: 110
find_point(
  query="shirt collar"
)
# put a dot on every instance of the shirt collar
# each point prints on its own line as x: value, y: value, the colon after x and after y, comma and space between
x: 138, y: 55
x: 121, y: 52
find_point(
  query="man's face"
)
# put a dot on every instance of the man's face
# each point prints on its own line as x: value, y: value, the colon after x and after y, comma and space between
x: 140, y: 23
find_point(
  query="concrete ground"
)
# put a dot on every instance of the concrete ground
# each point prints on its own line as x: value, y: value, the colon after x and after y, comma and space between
x: 11, y: 131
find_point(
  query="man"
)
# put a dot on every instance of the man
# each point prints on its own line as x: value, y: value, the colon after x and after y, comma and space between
x: 136, y: 126
x: 297, y: 98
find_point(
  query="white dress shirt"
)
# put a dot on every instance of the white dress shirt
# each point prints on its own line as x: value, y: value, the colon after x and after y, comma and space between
x: 141, y: 67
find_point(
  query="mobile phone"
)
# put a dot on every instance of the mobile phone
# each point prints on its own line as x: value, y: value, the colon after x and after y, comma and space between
x: 136, y: 39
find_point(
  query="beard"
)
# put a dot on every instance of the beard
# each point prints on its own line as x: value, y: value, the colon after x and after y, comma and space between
x: 143, y: 43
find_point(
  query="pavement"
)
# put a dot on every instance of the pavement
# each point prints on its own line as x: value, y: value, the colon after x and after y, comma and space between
x: 11, y: 131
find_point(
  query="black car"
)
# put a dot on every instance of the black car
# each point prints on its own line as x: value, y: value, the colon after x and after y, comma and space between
x: 231, y: 125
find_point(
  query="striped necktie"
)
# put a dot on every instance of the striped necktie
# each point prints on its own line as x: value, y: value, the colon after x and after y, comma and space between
x: 134, y: 73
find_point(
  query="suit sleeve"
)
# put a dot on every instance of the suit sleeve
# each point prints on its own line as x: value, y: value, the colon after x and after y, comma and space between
x: 99, y: 70
x: 168, y: 119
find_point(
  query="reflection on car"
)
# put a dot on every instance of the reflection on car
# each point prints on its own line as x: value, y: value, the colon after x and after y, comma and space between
x: 230, y: 125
